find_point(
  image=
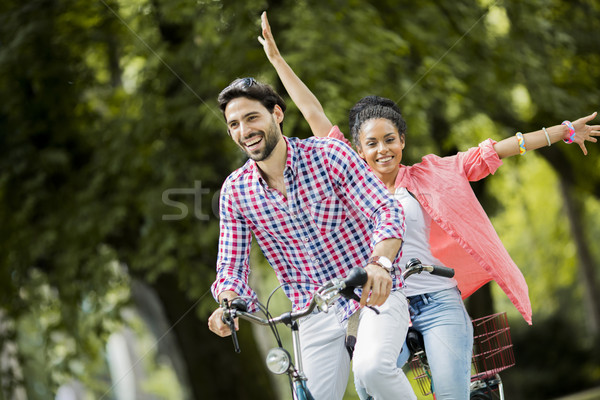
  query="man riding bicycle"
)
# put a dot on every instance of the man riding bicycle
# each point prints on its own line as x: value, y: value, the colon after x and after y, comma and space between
x: 316, y: 211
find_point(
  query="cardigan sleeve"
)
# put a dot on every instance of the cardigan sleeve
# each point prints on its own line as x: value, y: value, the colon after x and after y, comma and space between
x: 336, y: 133
x: 479, y: 162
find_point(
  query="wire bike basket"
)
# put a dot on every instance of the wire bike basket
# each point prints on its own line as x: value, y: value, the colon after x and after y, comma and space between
x: 492, y: 346
x: 492, y: 352
x: 421, y: 375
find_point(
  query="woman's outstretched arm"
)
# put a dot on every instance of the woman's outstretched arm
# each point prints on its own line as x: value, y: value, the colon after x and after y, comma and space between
x: 544, y: 137
x: 305, y: 100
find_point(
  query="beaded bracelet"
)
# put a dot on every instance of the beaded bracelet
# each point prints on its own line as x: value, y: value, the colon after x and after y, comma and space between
x: 521, y: 142
x: 571, y: 136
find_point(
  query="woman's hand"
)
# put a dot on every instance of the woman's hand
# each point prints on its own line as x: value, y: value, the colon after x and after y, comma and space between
x: 267, y: 40
x: 585, y: 132
x: 306, y: 101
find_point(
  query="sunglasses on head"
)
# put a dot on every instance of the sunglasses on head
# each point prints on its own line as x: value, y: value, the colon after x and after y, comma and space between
x: 241, y: 83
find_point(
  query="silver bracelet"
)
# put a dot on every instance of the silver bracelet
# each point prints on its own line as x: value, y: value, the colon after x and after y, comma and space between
x: 547, y: 137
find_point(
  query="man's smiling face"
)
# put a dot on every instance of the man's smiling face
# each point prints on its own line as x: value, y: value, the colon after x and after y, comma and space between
x: 252, y: 127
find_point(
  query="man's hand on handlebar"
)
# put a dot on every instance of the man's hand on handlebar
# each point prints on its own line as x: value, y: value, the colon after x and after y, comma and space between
x: 378, y: 287
x: 216, y: 324
x: 215, y: 321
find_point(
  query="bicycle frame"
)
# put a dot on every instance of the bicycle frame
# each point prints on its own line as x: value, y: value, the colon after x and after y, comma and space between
x: 322, y: 299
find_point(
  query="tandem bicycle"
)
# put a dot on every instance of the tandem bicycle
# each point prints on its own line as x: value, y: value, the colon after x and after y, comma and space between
x: 279, y: 361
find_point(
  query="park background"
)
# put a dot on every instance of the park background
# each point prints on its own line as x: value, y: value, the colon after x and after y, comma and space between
x: 112, y: 152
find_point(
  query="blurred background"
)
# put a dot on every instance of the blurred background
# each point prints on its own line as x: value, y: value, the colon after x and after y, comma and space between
x: 113, y: 150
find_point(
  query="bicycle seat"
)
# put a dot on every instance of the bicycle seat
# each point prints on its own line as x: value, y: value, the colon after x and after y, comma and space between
x: 414, y: 341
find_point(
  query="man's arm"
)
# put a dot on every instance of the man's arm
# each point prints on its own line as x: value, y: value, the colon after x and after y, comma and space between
x: 534, y: 140
x: 362, y: 188
x: 306, y: 101
x: 232, y: 261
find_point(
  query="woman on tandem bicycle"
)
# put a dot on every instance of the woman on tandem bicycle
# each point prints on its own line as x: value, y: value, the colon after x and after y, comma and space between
x: 445, y: 224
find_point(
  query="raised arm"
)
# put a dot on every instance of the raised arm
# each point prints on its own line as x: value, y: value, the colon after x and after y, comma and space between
x: 534, y: 140
x: 306, y: 101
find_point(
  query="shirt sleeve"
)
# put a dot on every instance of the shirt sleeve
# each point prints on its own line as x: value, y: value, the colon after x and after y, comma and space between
x: 336, y: 133
x: 479, y: 162
x: 235, y: 238
x: 355, y: 181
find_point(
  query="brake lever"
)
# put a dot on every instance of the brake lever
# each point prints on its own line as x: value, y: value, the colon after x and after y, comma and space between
x: 229, y: 320
x: 348, y: 292
x: 374, y: 309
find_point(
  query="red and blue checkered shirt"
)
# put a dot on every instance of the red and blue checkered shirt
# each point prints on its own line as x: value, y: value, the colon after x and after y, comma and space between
x: 336, y: 210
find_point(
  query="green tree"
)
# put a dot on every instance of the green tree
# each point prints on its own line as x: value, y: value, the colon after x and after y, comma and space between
x: 107, y: 112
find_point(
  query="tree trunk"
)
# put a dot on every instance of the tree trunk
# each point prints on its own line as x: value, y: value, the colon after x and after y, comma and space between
x: 214, y: 370
x: 573, y: 209
x: 480, y: 303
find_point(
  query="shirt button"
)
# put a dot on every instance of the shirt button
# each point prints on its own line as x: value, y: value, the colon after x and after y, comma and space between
x: 306, y: 239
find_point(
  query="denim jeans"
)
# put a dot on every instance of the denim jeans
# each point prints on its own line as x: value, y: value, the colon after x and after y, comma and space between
x: 448, y: 335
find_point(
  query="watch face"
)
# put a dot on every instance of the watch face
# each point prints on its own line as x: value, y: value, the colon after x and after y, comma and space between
x: 383, y: 262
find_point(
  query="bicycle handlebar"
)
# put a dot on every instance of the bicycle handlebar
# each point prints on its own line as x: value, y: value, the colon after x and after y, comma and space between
x: 414, y: 266
x: 323, y: 297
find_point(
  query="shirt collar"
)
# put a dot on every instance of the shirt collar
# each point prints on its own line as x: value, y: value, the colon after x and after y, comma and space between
x: 400, y: 177
x: 291, y: 163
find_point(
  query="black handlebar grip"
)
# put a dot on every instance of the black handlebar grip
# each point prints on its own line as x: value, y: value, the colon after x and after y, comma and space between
x: 443, y: 271
x: 348, y: 292
x: 239, y: 304
x: 356, y: 277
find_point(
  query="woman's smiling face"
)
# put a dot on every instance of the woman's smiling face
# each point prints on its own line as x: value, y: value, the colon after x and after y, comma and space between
x: 381, y: 147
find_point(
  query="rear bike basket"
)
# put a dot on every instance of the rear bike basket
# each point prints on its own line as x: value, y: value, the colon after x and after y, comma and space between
x: 492, y: 346
x: 421, y: 375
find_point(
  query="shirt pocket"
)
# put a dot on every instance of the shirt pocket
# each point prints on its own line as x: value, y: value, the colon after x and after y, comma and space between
x: 328, y: 213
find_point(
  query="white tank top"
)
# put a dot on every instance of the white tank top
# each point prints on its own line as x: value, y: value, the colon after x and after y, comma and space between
x: 416, y: 245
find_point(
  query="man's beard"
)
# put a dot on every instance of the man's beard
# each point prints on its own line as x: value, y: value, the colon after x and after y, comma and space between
x: 271, y: 138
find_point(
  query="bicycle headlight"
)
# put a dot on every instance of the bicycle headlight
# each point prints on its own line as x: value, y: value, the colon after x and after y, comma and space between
x: 278, y: 361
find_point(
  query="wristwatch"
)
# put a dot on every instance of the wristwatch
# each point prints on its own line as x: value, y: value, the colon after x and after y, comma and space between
x: 382, y: 261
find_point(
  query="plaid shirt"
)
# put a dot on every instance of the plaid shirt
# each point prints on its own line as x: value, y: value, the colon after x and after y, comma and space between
x: 335, y: 212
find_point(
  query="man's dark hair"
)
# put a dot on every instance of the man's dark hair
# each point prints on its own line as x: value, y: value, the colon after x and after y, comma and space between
x: 374, y: 107
x: 254, y: 90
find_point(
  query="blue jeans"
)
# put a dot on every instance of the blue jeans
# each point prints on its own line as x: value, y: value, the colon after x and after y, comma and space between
x: 448, y: 334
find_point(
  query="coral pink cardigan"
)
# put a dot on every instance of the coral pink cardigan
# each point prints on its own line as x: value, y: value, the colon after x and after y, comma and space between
x: 462, y: 236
